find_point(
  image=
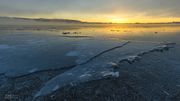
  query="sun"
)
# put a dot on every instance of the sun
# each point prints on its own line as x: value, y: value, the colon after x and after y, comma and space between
x: 118, y: 20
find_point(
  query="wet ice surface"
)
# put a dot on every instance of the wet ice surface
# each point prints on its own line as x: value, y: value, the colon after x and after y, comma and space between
x: 25, y: 52
x: 101, y: 54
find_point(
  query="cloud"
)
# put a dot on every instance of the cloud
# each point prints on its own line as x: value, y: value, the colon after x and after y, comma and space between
x: 125, y: 8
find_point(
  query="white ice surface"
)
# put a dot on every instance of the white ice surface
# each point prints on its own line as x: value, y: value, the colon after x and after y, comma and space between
x: 99, y: 67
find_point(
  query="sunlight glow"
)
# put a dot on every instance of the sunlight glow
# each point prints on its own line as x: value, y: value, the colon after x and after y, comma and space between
x: 118, y: 20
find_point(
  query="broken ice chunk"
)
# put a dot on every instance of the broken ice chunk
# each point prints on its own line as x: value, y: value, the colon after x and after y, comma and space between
x: 110, y: 74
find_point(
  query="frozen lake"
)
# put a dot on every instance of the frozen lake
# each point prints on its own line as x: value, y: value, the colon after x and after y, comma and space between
x: 93, y: 52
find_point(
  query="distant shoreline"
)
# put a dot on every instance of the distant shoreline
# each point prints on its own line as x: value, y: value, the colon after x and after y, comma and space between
x: 76, y: 21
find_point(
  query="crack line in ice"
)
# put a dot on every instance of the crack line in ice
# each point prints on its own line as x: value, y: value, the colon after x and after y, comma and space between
x: 47, y: 88
x: 70, y: 67
x: 104, y: 52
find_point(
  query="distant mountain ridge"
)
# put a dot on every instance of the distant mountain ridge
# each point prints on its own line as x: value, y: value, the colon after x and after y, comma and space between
x: 70, y: 21
x: 44, y: 19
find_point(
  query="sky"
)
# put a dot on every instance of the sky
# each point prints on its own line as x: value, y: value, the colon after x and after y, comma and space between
x: 117, y: 11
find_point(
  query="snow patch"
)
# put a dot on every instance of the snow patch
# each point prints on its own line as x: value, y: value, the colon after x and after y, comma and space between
x: 4, y: 47
x: 72, y: 53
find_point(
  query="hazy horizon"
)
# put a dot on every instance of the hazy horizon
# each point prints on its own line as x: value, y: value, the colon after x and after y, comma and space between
x: 80, y: 21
